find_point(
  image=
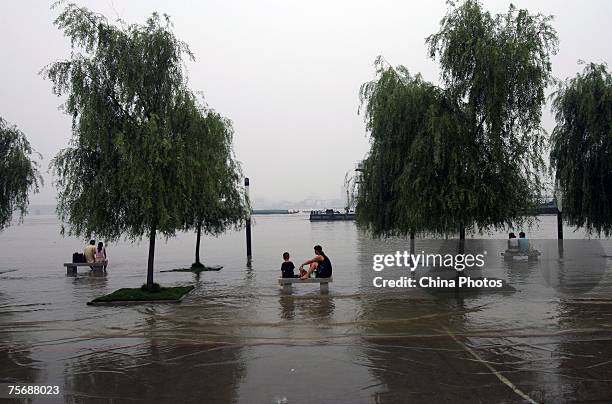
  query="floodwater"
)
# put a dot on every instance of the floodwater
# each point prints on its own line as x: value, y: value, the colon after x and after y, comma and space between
x: 237, y: 338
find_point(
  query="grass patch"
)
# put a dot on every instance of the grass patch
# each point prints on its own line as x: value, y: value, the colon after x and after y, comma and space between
x: 140, y: 295
x: 195, y: 270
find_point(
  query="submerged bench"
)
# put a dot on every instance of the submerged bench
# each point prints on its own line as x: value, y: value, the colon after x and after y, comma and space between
x: 286, y: 283
x: 511, y: 254
x: 71, y: 267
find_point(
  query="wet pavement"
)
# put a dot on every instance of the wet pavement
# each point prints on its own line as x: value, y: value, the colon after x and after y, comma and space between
x: 237, y: 338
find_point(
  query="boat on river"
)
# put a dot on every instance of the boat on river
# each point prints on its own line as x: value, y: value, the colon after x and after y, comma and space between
x: 330, y: 215
x: 275, y: 211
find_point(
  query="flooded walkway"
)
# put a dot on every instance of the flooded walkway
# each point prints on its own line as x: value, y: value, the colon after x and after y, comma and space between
x: 236, y: 338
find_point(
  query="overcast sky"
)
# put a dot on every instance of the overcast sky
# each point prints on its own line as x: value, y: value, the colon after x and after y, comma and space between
x: 287, y: 73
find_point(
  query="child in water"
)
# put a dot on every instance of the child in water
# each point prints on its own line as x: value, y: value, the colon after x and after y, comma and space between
x: 287, y: 267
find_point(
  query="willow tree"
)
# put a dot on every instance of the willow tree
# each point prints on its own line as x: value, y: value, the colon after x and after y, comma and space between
x: 581, y: 152
x: 18, y: 173
x: 467, y: 153
x: 412, y: 126
x: 218, y: 202
x: 126, y: 171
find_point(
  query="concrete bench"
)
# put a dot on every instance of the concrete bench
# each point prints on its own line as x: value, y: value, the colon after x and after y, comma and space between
x: 286, y: 283
x: 71, y: 267
x: 511, y: 254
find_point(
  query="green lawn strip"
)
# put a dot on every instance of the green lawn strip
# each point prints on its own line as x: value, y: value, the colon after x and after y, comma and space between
x: 139, y: 295
x: 195, y: 269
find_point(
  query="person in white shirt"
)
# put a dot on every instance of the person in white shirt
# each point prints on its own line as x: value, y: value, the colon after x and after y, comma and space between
x: 100, y: 255
x: 90, y: 252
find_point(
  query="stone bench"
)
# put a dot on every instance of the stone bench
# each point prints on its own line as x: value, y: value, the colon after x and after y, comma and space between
x: 511, y: 254
x: 71, y: 267
x: 286, y: 283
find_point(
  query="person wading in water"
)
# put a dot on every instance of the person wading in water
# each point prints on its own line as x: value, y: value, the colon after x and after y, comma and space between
x: 320, y: 265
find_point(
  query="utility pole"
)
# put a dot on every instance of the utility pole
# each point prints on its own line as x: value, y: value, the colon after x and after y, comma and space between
x: 248, y: 222
x: 559, y: 203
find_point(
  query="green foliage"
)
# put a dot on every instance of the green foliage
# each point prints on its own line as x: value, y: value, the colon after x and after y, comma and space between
x: 218, y: 200
x: 145, y: 157
x: 124, y: 172
x: 499, y: 66
x: 18, y: 173
x: 411, y: 124
x: 581, y: 151
x: 467, y: 154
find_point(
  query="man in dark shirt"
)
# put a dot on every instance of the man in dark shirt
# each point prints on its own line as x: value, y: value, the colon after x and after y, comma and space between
x: 320, y: 265
x: 287, y: 267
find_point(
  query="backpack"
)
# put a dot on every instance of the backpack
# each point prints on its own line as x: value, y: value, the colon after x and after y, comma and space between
x: 78, y: 258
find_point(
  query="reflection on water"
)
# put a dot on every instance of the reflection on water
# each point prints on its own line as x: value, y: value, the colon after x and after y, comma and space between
x: 152, y: 369
x: 12, y: 356
x: 314, y: 308
x: 237, y: 338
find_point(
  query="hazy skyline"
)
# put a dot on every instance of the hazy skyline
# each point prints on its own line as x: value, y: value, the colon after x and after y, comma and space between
x: 286, y: 73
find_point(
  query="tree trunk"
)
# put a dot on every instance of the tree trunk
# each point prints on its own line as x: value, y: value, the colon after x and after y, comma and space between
x: 198, y: 237
x: 151, y: 258
x: 461, y: 231
x: 461, y: 242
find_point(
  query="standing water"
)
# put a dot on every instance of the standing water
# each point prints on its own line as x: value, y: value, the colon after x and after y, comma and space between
x: 547, y: 337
